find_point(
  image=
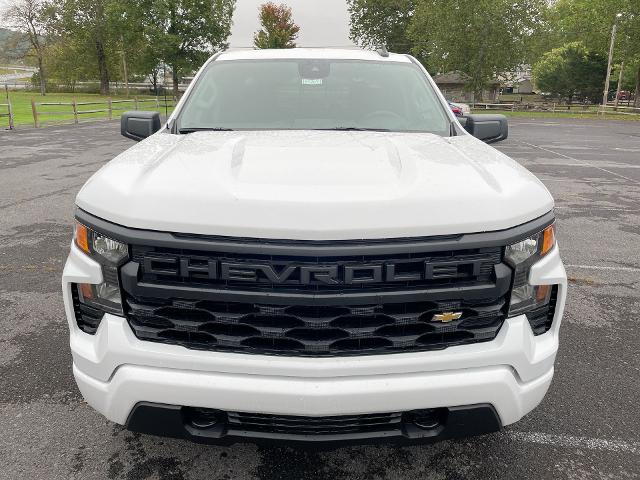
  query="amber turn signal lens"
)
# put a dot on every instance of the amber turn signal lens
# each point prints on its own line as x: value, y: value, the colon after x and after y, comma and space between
x: 86, y: 289
x: 82, y: 237
x: 542, y: 291
x: 548, y: 239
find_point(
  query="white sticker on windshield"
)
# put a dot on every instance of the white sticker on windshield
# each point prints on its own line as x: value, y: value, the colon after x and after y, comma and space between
x: 312, y: 81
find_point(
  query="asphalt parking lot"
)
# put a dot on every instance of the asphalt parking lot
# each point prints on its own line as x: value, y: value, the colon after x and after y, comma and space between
x: 588, y: 427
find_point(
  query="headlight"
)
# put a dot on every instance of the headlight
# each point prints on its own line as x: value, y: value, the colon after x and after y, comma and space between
x: 521, y: 256
x: 98, y: 245
x: 110, y: 254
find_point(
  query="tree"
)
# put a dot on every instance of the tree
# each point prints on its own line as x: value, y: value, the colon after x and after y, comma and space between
x: 186, y: 32
x: 591, y: 21
x: 278, y: 29
x: 481, y: 39
x: 13, y: 45
x: 69, y: 62
x: 628, y: 77
x: 96, y: 39
x: 571, y: 71
x: 150, y: 65
x: 378, y: 23
x: 28, y: 16
x: 85, y: 24
x: 138, y: 56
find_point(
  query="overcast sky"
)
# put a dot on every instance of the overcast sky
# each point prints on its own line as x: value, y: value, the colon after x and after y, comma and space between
x: 323, y: 23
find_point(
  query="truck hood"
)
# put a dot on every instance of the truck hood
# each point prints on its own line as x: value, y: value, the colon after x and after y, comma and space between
x: 313, y: 185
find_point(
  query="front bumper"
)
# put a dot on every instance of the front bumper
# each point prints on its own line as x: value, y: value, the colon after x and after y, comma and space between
x: 407, y: 428
x: 115, y: 371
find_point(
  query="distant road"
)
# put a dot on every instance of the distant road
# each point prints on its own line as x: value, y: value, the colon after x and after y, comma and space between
x: 19, y: 73
x: 14, y: 76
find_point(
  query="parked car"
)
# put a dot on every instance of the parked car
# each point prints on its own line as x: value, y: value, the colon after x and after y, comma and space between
x: 462, y: 107
x: 313, y: 249
x: 625, y: 95
x: 457, y: 111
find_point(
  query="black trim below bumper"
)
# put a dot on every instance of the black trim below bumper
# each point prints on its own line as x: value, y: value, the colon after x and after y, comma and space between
x: 453, y: 422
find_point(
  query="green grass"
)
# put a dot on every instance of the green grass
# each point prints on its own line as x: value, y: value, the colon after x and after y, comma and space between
x: 21, y: 103
x: 608, y: 116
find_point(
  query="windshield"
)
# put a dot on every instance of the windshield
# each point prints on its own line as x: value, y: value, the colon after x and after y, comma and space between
x: 313, y: 94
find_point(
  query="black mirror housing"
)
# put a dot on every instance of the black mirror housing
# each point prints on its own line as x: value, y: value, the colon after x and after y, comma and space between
x: 138, y: 125
x: 488, y: 128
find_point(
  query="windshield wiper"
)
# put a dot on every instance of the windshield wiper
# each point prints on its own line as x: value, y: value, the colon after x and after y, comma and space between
x: 205, y: 129
x: 354, y: 129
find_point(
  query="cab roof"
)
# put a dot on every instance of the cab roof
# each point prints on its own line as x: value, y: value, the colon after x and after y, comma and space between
x: 314, y: 53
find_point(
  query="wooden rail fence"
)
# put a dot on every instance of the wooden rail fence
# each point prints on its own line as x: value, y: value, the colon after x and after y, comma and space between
x: 76, y: 108
x: 619, y: 110
x: 494, y: 106
x: 9, y: 114
x: 559, y: 108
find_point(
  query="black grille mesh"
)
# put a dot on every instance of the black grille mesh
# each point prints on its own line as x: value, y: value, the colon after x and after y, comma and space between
x: 314, y: 425
x: 87, y: 318
x: 312, y: 331
x: 541, y: 319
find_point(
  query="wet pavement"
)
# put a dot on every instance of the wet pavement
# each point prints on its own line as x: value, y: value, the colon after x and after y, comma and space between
x: 588, y: 426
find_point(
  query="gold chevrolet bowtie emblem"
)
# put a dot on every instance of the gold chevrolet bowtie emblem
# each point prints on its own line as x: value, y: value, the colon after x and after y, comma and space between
x: 446, y: 317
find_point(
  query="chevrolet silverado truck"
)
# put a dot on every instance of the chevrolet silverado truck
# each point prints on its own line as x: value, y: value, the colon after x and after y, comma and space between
x: 313, y: 249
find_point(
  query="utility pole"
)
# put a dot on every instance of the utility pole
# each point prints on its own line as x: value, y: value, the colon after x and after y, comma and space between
x: 605, y: 98
x: 164, y: 89
x: 619, y: 85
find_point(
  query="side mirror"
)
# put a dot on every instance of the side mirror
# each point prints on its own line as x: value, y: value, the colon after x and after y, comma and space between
x: 139, y: 125
x: 489, y: 128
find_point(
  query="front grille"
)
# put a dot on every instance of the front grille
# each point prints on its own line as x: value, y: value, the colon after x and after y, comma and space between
x: 321, y: 299
x: 338, y: 425
x: 174, y: 266
x: 313, y: 330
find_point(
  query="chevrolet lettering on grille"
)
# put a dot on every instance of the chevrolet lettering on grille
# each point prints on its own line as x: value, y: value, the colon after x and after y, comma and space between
x: 306, y: 274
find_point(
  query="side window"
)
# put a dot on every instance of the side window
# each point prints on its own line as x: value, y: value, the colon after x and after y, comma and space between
x: 425, y: 102
x: 203, y: 100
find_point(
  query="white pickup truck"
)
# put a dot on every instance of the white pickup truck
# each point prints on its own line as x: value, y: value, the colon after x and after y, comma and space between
x: 314, y: 249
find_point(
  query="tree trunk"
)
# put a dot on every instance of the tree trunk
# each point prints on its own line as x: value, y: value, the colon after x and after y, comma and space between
x: 43, y: 82
x: 619, y: 86
x: 154, y: 81
x: 102, y: 68
x: 126, y: 73
x: 636, y: 100
x: 176, y: 82
x: 35, y: 43
x: 124, y: 66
